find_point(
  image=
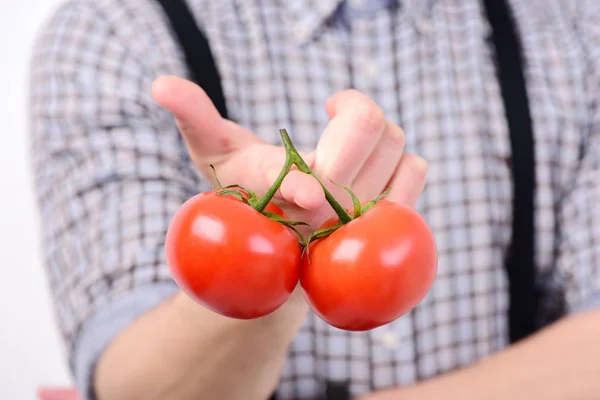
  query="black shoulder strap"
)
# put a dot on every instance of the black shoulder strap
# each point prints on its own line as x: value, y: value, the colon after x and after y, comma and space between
x: 520, y: 264
x: 197, y: 51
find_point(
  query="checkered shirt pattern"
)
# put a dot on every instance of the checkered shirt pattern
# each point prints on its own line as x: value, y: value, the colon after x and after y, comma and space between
x: 111, y: 168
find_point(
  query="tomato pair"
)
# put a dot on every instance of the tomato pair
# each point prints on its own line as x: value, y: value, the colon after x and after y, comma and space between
x: 239, y: 263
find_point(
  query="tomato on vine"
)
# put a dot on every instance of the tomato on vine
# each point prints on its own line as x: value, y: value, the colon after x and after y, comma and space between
x: 371, y: 270
x: 232, y: 258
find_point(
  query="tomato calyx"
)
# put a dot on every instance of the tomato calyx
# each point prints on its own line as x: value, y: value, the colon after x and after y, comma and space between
x: 251, y: 199
x: 290, y: 224
x: 366, y: 207
x: 358, y: 211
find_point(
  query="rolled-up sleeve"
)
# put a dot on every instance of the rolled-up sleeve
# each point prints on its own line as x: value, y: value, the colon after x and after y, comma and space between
x: 110, y: 169
x: 579, y: 249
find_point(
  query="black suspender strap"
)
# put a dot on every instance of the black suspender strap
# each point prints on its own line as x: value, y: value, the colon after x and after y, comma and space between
x: 197, y: 51
x: 520, y: 264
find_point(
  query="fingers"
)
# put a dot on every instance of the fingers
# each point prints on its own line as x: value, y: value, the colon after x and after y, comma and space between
x: 381, y: 164
x: 213, y: 140
x: 208, y: 136
x: 409, y: 181
x: 355, y: 128
x: 297, y: 188
x: 358, y: 148
x: 302, y: 190
x: 354, y: 114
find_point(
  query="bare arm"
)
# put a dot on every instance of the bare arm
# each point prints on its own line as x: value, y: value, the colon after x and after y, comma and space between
x: 560, y: 362
x: 195, y: 351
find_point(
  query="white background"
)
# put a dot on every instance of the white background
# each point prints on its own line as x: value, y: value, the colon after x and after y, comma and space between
x: 31, y: 353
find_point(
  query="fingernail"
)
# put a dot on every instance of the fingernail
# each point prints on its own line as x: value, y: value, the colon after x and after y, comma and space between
x: 420, y: 164
x: 395, y: 131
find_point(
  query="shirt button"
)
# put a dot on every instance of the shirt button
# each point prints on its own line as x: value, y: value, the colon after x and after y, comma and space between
x: 389, y: 340
x: 301, y: 32
x: 371, y: 69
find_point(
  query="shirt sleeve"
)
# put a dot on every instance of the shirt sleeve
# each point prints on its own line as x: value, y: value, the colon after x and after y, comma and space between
x: 579, y: 248
x: 110, y: 168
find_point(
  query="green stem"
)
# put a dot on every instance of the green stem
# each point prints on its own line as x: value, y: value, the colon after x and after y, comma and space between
x: 292, y: 153
x: 264, y: 201
x: 292, y: 157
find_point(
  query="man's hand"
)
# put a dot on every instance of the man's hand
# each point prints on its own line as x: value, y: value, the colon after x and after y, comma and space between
x: 359, y: 148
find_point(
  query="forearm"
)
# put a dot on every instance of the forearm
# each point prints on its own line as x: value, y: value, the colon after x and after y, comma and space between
x: 560, y: 362
x: 181, y: 350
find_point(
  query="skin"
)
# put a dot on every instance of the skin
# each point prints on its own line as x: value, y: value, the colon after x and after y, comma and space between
x: 179, y: 349
x: 560, y: 362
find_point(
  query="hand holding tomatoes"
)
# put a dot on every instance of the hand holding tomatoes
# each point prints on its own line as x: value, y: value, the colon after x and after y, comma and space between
x: 236, y: 254
x: 359, y: 148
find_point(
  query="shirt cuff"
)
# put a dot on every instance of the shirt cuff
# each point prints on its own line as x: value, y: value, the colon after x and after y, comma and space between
x: 98, y: 331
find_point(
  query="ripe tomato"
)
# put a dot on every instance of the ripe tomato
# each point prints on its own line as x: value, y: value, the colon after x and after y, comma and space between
x: 230, y: 258
x: 372, y: 270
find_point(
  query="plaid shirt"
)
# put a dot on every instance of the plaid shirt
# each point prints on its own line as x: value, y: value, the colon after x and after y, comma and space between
x: 111, y: 168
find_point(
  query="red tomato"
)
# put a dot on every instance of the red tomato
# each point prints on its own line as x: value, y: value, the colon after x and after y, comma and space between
x: 230, y: 258
x: 372, y: 270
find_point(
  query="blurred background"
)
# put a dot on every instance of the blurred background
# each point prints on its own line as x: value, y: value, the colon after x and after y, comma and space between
x: 31, y: 353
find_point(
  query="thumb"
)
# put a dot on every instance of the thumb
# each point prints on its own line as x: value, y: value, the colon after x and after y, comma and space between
x: 209, y: 137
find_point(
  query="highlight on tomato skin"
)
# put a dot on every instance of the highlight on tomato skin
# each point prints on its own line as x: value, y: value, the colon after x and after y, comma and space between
x: 230, y: 258
x: 372, y: 270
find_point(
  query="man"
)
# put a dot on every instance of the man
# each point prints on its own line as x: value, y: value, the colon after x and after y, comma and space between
x: 112, y: 169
